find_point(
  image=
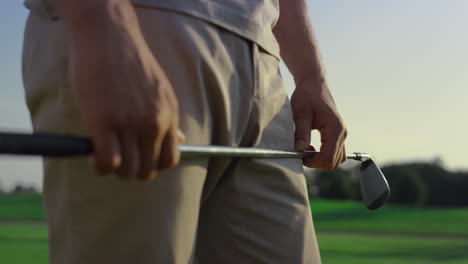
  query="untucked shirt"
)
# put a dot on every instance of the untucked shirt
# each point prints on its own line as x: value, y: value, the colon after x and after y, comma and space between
x: 251, y: 19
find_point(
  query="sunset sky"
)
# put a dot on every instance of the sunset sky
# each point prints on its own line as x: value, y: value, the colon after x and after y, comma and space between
x: 397, y: 69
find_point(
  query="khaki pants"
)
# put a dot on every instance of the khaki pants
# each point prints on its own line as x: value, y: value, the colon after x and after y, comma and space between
x: 216, y: 210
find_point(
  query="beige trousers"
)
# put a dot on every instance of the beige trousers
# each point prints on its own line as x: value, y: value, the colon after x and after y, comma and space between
x: 216, y: 210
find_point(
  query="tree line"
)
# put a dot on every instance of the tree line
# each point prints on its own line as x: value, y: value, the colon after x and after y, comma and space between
x: 417, y: 184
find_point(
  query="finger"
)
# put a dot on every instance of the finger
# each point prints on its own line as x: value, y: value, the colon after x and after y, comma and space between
x: 307, y: 160
x: 338, y: 157
x: 149, y: 155
x: 328, y: 150
x: 170, y: 154
x: 321, y: 160
x: 344, y: 156
x: 107, y: 157
x: 341, y: 157
x: 130, y: 156
x: 302, y: 131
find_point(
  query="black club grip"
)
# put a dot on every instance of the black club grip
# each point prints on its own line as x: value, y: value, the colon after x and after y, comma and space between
x: 44, y: 144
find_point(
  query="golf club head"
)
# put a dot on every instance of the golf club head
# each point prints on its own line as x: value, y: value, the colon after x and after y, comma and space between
x: 374, y: 187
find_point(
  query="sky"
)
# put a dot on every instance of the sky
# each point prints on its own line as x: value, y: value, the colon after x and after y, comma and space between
x: 397, y: 70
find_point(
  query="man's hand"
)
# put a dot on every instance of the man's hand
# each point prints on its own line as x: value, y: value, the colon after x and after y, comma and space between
x: 312, y: 103
x: 124, y: 96
x: 313, y: 108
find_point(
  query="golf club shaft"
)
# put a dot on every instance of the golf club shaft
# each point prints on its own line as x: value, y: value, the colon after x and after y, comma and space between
x: 197, y: 151
x: 61, y: 145
x: 374, y: 187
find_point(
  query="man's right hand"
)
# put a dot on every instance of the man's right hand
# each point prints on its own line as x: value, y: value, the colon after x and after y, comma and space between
x: 124, y: 96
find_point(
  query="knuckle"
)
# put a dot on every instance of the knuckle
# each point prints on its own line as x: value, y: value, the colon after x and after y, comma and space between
x: 344, y: 133
x: 340, y: 128
x: 152, y: 122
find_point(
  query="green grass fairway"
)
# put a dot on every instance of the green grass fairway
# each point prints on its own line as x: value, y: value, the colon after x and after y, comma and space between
x: 23, y: 243
x: 347, y: 233
x: 21, y: 207
x: 27, y: 243
x: 377, y: 249
x: 353, y: 216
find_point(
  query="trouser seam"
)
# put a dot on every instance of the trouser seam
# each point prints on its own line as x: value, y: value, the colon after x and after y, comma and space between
x: 251, y: 131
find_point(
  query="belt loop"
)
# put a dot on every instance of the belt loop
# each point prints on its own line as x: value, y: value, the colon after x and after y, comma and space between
x: 41, y: 8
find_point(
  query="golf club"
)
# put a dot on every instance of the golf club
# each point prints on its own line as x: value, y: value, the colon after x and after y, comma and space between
x: 374, y: 187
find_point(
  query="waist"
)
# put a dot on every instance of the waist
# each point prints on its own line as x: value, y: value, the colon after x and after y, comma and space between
x: 251, y: 19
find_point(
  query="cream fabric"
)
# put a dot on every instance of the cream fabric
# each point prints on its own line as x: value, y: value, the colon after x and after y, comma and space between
x: 216, y: 210
x: 251, y: 19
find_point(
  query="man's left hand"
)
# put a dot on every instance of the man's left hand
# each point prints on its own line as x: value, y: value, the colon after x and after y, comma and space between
x: 314, y: 108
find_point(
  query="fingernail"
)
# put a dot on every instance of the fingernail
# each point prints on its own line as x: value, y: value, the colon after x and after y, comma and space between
x: 116, y: 161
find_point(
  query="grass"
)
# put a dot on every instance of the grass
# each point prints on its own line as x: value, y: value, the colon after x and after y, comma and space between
x: 23, y: 243
x: 367, y: 249
x: 347, y: 233
x: 352, y: 215
x: 21, y: 207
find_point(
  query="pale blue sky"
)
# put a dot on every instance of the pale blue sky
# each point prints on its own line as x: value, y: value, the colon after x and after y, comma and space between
x: 397, y: 70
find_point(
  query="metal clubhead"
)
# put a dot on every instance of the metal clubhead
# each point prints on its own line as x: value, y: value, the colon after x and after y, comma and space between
x: 374, y: 187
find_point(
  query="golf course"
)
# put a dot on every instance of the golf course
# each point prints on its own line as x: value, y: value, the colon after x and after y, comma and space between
x: 347, y: 232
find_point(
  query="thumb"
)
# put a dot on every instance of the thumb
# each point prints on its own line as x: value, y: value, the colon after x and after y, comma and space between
x: 302, y: 132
